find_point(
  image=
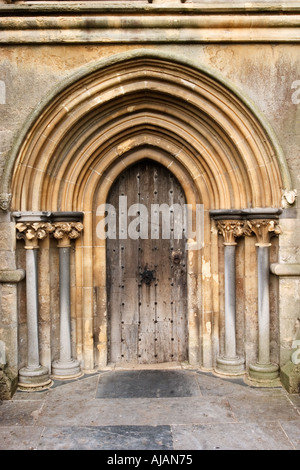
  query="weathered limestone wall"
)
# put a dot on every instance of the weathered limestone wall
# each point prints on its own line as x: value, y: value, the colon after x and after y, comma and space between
x: 267, y: 72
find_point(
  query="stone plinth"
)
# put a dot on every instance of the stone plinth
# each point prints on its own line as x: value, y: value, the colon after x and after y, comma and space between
x: 290, y: 377
x: 8, y: 382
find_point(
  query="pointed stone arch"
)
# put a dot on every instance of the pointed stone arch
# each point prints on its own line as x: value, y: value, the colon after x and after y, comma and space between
x: 115, y: 112
x: 99, y: 112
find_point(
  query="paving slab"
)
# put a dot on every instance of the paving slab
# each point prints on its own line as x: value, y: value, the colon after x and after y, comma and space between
x: 292, y: 430
x: 262, y: 408
x: 148, y: 384
x: 30, y: 396
x: 19, y: 437
x: 295, y: 399
x: 139, y: 411
x: 209, y: 413
x: 216, y: 386
x: 231, y: 436
x: 20, y: 413
x: 107, y: 438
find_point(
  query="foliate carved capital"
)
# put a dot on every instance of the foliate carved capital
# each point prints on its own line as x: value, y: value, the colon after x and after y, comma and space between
x: 64, y: 232
x: 230, y: 229
x: 264, y: 229
x: 31, y: 233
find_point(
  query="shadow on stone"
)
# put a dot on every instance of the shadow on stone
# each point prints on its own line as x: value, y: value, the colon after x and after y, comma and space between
x: 148, y: 384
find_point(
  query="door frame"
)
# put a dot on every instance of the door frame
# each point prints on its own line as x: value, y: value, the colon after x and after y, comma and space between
x: 194, y: 257
x: 133, y: 341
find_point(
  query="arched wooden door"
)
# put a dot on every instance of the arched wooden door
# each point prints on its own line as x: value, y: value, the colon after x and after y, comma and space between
x: 146, y: 268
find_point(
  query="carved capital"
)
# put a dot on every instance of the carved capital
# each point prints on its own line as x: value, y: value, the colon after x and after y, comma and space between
x: 64, y: 232
x: 31, y: 233
x: 5, y: 200
x: 230, y: 229
x: 264, y: 229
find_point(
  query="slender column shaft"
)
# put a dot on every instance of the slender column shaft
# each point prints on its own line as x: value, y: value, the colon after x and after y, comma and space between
x: 230, y: 363
x: 32, y: 308
x: 65, y: 320
x: 65, y: 366
x: 34, y: 374
x: 263, y: 370
x: 230, y: 329
x: 263, y: 305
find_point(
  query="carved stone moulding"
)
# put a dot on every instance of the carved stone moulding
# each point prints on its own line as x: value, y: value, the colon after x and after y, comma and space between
x: 66, y: 216
x: 33, y: 226
x: 47, y: 216
x: 5, y: 200
x: 32, y: 232
x: 262, y: 213
x: 230, y: 224
x: 251, y: 213
x: 32, y: 216
x: 234, y: 223
x: 226, y: 214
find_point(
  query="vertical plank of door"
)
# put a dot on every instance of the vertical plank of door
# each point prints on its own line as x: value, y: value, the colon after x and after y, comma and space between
x: 164, y: 333
x: 179, y: 289
x: 146, y: 352
x: 148, y: 322
x: 114, y: 281
x: 129, y: 267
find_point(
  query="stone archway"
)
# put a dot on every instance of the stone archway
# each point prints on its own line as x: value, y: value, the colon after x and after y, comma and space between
x: 196, y: 125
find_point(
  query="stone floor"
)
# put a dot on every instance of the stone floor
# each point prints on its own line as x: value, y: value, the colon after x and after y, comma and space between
x: 151, y: 410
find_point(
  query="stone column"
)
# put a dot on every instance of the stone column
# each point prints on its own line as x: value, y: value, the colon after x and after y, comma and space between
x: 65, y: 366
x: 263, y: 369
x: 34, y: 374
x: 230, y: 363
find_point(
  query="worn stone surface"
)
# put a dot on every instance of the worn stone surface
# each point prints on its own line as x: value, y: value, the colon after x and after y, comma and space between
x: 148, y: 384
x: 7, y: 236
x: 19, y: 437
x: 8, y: 382
x: 107, y: 438
x: 12, y: 276
x: 268, y: 73
x: 268, y: 406
x: 228, y: 415
x: 290, y: 377
x: 211, y: 385
x: 241, y: 436
x: 289, y: 295
x: 291, y: 428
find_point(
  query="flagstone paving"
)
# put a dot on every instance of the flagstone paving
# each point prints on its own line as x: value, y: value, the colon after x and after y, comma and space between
x: 151, y: 410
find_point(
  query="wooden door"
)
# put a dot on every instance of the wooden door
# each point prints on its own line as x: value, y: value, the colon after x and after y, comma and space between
x: 146, y: 277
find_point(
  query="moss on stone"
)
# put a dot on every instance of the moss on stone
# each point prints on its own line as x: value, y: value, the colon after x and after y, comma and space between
x: 8, y: 382
x: 290, y: 377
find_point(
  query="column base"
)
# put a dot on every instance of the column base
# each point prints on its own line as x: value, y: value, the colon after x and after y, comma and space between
x: 263, y: 372
x: 34, y: 377
x: 230, y: 365
x: 66, y: 370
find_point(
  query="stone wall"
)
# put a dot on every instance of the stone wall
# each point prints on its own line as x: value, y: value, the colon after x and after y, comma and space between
x: 261, y: 58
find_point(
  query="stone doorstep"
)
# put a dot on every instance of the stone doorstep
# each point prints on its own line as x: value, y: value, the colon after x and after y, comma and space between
x: 290, y: 377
